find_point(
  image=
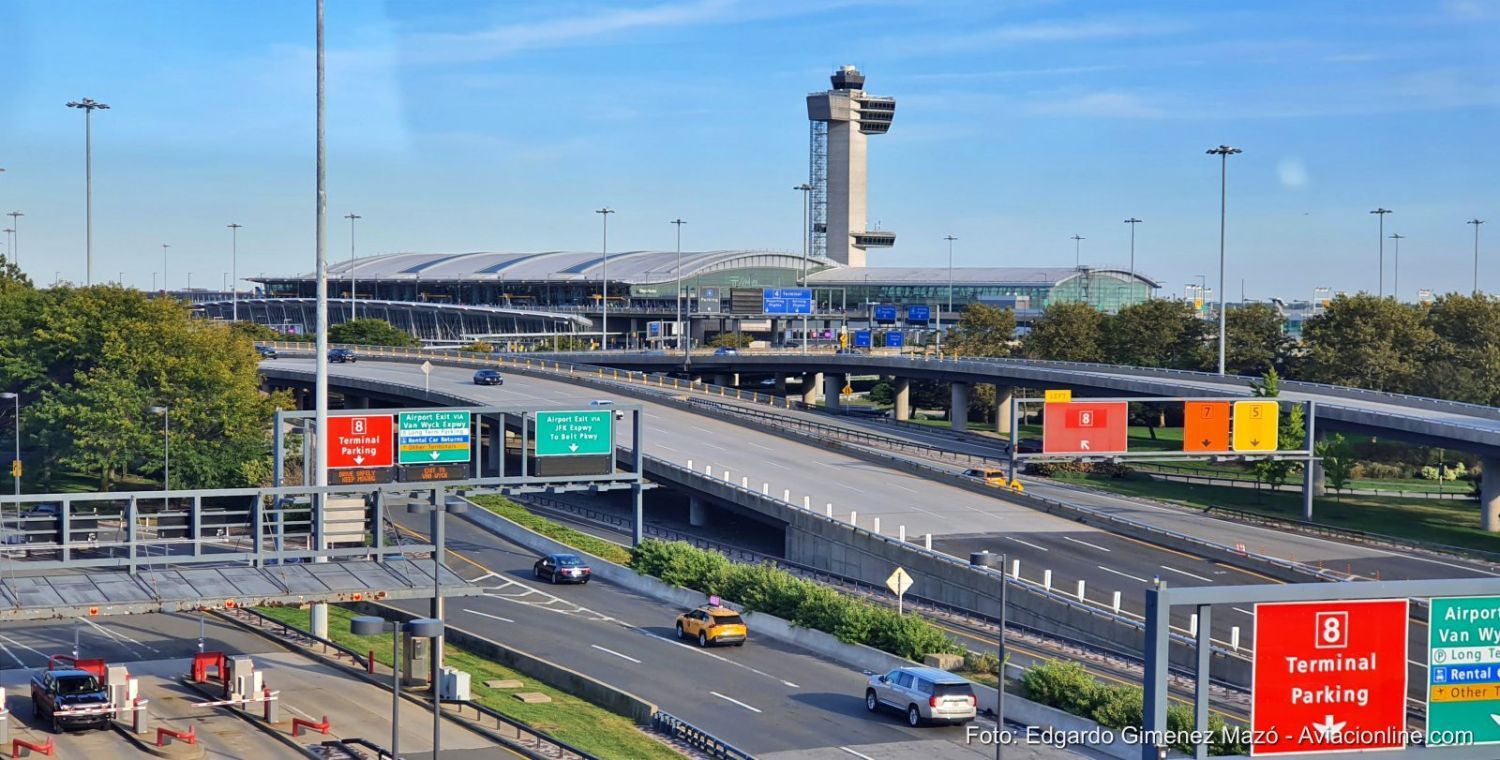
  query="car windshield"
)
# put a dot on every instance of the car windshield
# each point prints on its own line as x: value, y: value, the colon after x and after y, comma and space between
x: 728, y: 620
x: 568, y: 560
x: 77, y: 684
x: 953, y: 690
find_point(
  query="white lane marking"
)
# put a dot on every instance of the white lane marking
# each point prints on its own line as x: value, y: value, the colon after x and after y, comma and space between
x: 36, y: 652
x: 1242, y: 609
x: 856, y: 754
x: 735, y: 701
x: 1085, y: 543
x: 112, y: 637
x: 908, y: 490
x: 1188, y: 574
x: 127, y: 637
x: 491, y: 617
x: 777, y: 466
x: 1417, y: 664
x: 617, y: 654
x: 12, y: 655
x: 1127, y: 575
x: 666, y: 447
x: 1027, y: 543
x: 758, y: 446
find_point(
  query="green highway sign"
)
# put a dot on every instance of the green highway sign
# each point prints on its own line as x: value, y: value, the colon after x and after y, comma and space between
x: 563, y: 434
x: 432, y: 437
x: 1463, y: 672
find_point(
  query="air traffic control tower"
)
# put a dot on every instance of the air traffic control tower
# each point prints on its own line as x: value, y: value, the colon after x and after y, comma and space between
x: 841, y: 119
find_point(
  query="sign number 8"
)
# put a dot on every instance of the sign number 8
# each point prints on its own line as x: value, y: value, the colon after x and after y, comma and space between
x: 1333, y: 630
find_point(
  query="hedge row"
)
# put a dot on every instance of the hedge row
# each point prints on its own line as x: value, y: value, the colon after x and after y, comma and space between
x: 766, y: 588
x: 555, y: 531
x: 1068, y: 687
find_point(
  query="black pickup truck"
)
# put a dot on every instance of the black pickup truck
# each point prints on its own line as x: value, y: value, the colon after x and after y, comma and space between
x: 55, y: 693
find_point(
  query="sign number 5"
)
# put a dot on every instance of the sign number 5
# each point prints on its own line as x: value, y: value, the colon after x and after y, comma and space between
x: 1333, y: 630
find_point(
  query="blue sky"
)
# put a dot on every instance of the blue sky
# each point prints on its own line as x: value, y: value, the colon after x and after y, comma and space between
x: 467, y: 125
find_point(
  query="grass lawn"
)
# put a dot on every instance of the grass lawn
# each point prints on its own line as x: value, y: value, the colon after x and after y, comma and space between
x: 553, y: 530
x: 1455, y: 523
x: 566, y: 717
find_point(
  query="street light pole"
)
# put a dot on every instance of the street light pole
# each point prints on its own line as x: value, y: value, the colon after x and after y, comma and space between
x: 166, y: 446
x: 164, y: 248
x: 1223, y: 152
x: 1078, y: 250
x: 806, y: 239
x: 1476, y: 222
x: 15, y: 241
x: 353, y: 295
x: 1380, y: 238
x: 680, y: 343
x: 1396, y: 267
x: 234, y: 266
x: 604, y: 277
x: 89, y: 105
x: 1132, y: 221
x: 15, y: 464
x: 950, y: 238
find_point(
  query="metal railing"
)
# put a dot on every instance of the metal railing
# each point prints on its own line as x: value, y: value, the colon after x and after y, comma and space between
x: 680, y: 730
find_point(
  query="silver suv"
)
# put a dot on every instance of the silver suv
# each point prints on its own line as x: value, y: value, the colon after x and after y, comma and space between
x: 924, y: 694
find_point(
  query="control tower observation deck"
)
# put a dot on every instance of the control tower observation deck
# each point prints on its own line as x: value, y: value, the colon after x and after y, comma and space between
x: 841, y: 119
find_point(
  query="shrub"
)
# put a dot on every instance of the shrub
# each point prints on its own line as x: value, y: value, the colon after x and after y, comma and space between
x: 478, y: 347
x: 581, y: 541
x: 1064, y: 685
x: 769, y: 589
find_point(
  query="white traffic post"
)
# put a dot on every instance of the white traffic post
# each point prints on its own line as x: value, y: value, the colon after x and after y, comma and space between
x: 1047, y: 579
x: 1080, y: 589
x: 876, y: 529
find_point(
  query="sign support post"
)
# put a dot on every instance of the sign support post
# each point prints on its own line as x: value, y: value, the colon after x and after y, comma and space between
x: 1201, y: 684
x: 1308, y: 475
x: 1158, y: 639
x: 1015, y: 434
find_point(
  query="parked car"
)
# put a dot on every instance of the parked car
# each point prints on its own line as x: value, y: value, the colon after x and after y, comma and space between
x: 488, y: 377
x: 925, y: 695
x: 341, y: 355
x: 726, y: 351
x: 562, y: 568
x: 266, y: 352
x: 990, y: 477
x: 63, y: 690
x: 712, y: 624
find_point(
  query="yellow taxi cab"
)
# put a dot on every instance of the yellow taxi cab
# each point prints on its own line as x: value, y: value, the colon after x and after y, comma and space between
x: 990, y: 477
x: 712, y: 624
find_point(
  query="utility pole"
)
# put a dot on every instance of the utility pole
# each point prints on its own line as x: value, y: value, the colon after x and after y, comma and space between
x: 680, y: 343
x: 318, y: 617
x: 604, y: 277
x: 1380, y: 238
x: 1396, y: 267
x: 164, y: 248
x: 1078, y: 250
x: 1476, y: 222
x: 1223, y: 152
x: 950, y: 238
x: 15, y: 240
x: 234, y: 266
x: 806, y: 243
x: 353, y: 293
x: 88, y: 105
x: 1132, y: 221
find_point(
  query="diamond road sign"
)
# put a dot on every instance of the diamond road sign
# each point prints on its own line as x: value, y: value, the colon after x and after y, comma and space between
x: 562, y: 434
x: 433, y: 437
x: 1463, y: 677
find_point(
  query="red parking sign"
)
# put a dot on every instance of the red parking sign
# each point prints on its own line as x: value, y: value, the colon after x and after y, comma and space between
x: 362, y: 441
x: 1329, y: 676
x: 1080, y: 427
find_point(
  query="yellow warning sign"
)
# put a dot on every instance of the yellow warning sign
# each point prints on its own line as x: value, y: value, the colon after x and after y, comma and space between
x: 1255, y: 425
x: 15, y: 468
x: 848, y: 390
x: 1062, y: 396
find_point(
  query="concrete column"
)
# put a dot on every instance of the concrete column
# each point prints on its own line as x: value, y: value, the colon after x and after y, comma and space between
x: 722, y: 379
x: 697, y: 512
x: 495, y: 447
x: 1319, y: 478
x: 1489, y: 493
x: 781, y: 383
x: 810, y: 385
x: 356, y: 402
x: 1002, y: 409
x: 833, y: 384
x: 902, y: 407
x: 958, y: 406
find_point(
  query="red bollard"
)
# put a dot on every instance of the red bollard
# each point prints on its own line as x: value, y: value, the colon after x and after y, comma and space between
x: 370, y: 663
x: 298, y: 724
x: 190, y: 736
x: 45, y: 748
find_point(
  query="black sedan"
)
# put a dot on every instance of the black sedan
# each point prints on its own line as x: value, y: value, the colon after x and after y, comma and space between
x: 266, y: 352
x: 488, y: 377
x: 562, y: 568
x: 341, y: 355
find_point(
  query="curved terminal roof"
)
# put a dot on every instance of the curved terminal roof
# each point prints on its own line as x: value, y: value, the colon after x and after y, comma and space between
x: 631, y: 267
x: 996, y: 276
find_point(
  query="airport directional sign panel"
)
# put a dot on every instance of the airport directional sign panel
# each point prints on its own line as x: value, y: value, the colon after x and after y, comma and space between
x: 894, y: 339
x: 562, y: 434
x: 1205, y: 426
x: 1085, y: 427
x: 862, y: 339
x: 885, y: 313
x: 433, y: 437
x: 1329, y: 676
x: 359, y: 441
x: 1255, y: 425
x: 918, y: 313
x: 787, y: 301
x: 1463, y: 674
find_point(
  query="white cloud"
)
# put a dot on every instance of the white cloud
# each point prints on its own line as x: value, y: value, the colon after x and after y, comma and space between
x: 1292, y: 172
x: 1117, y: 105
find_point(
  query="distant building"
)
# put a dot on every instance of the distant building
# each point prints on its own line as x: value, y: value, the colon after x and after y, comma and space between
x: 841, y: 119
x: 1022, y: 288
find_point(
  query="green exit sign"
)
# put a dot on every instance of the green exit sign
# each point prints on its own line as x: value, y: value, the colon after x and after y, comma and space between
x: 1463, y: 671
x: 564, y: 434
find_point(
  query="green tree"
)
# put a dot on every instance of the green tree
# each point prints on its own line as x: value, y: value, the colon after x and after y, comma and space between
x: 1463, y: 363
x: 983, y: 331
x: 1337, y: 454
x: 369, y: 332
x: 730, y: 340
x: 1291, y: 433
x: 1157, y: 333
x: 1367, y: 342
x: 1257, y: 340
x: 1066, y: 332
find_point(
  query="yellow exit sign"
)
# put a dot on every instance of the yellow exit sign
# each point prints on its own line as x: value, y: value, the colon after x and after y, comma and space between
x: 1063, y: 396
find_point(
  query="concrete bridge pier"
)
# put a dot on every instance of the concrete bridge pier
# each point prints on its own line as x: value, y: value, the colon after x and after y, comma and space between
x: 1489, y: 493
x: 833, y: 386
x: 1319, y: 477
x: 902, y: 397
x: 1002, y: 409
x: 723, y: 379
x: 494, y: 447
x: 352, y: 401
x: 958, y: 406
x: 781, y: 383
x: 697, y: 512
x: 810, y: 384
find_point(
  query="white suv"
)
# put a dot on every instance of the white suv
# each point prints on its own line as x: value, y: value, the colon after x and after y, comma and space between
x: 924, y: 694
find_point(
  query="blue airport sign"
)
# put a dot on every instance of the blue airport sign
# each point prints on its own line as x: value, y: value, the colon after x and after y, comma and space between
x: 918, y: 313
x: 894, y: 339
x: 885, y: 314
x: 862, y: 339
x: 787, y: 301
